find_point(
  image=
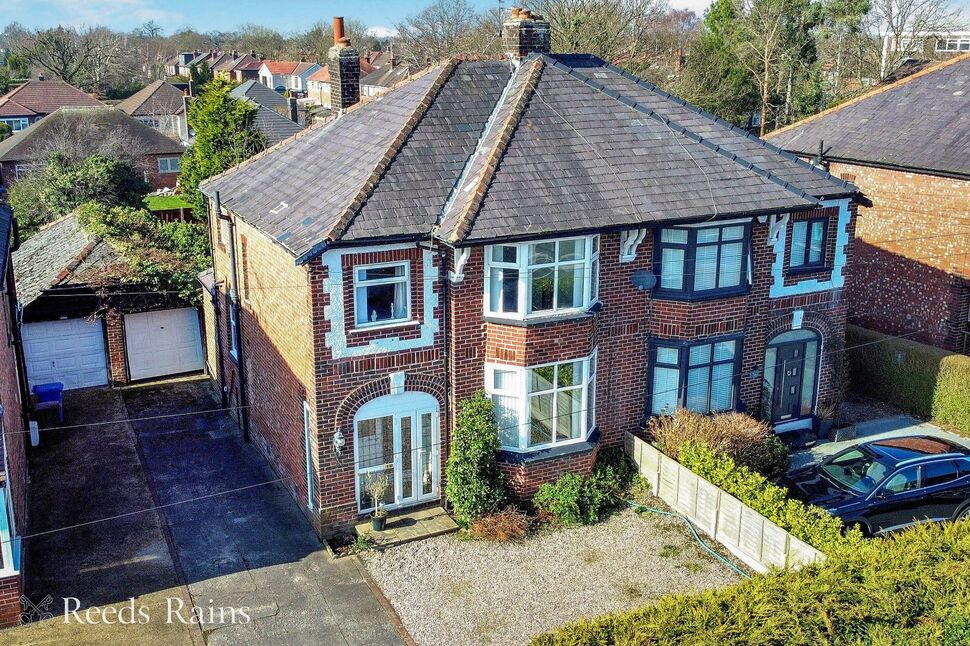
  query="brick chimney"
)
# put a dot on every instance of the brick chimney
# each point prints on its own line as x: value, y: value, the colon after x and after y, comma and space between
x: 343, y: 61
x: 525, y: 32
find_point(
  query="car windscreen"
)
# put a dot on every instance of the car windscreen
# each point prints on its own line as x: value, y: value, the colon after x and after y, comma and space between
x: 857, y: 470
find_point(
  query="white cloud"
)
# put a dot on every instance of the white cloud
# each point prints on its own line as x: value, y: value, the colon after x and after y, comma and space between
x: 381, y: 32
x: 116, y: 13
x: 697, y: 6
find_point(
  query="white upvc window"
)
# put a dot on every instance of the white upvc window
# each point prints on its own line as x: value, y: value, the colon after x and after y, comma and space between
x: 382, y: 294
x: 543, y: 406
x: 168, y: 164
x: 533, y: 279
x: 16, y: 123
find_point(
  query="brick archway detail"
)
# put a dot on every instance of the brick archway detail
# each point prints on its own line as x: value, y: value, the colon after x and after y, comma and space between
x: 413, y: 382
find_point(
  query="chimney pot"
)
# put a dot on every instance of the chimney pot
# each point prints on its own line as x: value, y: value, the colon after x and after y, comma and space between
x: 338, y: 30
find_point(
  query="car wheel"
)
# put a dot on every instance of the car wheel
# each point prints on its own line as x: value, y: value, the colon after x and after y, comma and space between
x: 964, y: 514
x: 862, y: 527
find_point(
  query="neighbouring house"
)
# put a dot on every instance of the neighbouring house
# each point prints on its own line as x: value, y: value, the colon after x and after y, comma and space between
x: 921, y: 45
x: 178, y: 64
x: 588, y: 249
x: 380, y: 71
x: 299, y: 79
x: 160, y: 105
x: 277, y: 118
x: 86, y: 324
x: 13, y: 458
x: 277, y: 75
x: 247, y: 70
x: 35, y: 99
x: 226, y: 68
x: 907, y: 145
x: 159, y: 155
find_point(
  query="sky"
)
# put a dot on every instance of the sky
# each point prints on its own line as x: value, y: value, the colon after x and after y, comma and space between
x: 222, y: 15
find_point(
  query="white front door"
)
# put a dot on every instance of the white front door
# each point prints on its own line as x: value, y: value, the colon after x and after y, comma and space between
x: 69, y: 351
x: 396, y: 450
x: 163, y: 342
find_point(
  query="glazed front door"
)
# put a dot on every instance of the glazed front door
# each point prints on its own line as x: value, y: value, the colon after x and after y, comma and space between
x: 396, y: 459
x: 787, y: 395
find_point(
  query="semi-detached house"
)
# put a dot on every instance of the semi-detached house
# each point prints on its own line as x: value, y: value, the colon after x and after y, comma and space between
x: 586, y: 248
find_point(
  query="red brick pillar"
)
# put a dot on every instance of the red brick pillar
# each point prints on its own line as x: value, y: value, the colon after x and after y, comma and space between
x: 115, y: 327
x: 10, y: 590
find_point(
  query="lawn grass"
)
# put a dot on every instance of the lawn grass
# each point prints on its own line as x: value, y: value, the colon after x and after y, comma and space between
x: 166, y: 203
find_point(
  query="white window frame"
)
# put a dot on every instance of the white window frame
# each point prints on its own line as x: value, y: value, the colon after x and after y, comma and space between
x: 22, y: 170
x: 168, y: 162
x: 14, y: 122
x: 233, y: 334
x: 518, y: 393
x: 590, y: 264
x: 960, y: 44
x: 9, y: 539
x: 406, y: 279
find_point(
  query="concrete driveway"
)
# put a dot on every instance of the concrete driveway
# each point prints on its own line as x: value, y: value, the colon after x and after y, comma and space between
x: 245, y: 554
x: 877, y: 429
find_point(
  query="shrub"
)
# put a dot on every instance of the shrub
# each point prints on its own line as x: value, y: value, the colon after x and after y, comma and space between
x: 475, y: 485
x: 809, y: 523
x: 575, y: 500
x: 911, y: 588
x: 510, y: 524
x: 919, y: 379
x: 744, y: 439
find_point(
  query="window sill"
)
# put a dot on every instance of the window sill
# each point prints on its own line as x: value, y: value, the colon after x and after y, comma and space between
x: 552, y: 452
x: 811, y: 269
x: 382, y: 326
x: 573, y: 315
x: 696, y: 298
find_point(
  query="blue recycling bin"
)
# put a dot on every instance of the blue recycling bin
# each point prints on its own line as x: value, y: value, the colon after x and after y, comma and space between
x: 49, y: 396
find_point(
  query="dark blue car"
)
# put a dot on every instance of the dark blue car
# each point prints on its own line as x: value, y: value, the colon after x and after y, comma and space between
x: 884, y: 485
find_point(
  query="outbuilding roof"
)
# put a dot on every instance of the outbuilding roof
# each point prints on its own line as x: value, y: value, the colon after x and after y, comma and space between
x: 156, y: 98
x: 259, y: 94
x: 921, y: 122
x: 473, y: 150
x: 43, y: 97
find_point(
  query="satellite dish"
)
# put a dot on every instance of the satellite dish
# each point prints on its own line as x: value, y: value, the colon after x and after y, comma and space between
x: 643, y: 279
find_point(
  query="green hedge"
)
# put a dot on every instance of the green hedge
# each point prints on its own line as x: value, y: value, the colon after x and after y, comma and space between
x: 912, y: 588
x: 809, y: 523
x: 917, y: 378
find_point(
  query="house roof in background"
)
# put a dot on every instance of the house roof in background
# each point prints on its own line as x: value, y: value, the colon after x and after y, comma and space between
x: 29, y: 144
x: 280, y: 67
x: 260, y: 95
x: 385, y: 76
x: 242, y: 62
x: 323, y: 74
x: 921, y: 122
x: 44, y: 97
x: 574, y: 144
x: 159, y: 97
x: 275, y: 126
x: 302, y: 68
x: 62, y: 253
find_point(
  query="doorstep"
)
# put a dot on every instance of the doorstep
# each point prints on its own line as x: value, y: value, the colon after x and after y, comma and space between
x: 409, y: 526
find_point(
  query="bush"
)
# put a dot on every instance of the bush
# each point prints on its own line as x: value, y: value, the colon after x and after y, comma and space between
x: 919, y: 379
x: 575, y: 500
x: 510, y: 524
x: 747, y: 441
x: 809, y: 523
x: 911, y: 588
x: 475, y: 486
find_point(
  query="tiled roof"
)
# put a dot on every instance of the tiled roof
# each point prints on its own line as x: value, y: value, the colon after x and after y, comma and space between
x: 921, y: 122
x: 303, y: 68
x: 260, y: 94
x: 11, y: 108
x: 323, y: 74
x: 61, y: 253
x: 29, y: 144
x: 43, y: 97
x: 385, y: 76
x: 475, y: 151
x: 280, y: 67
x: 157, y: 98
x: 275, y: 126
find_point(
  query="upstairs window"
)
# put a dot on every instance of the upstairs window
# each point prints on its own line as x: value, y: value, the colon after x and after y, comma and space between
x: 541, y: 278
x: 808, y: 244
x: 702, y: 262
x: 168, y: 164
x: 382, y: 294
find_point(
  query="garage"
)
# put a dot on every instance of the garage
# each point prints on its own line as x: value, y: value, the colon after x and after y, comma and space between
x: 163, y: 342
x: 70, y: 351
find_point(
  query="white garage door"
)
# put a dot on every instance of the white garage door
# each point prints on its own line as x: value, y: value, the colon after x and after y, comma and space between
x: 70, y: 351
x: 164, y: 342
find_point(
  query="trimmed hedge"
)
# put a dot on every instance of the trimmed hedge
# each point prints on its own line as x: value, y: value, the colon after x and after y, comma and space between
x: 912, y: 588
x: 917, y: 378
x: 809, y: 523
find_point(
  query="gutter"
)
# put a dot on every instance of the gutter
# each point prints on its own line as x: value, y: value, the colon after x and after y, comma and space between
x: 236, y: 330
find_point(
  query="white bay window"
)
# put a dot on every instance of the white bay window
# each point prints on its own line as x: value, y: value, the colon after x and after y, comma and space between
x: 543, y: 406
x: 541, y: 278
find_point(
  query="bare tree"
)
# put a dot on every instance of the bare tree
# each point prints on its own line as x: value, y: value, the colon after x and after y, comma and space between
x: 63, y: 51
x: 902, y: 27
x: 84, y: 135
x: 444, y: 28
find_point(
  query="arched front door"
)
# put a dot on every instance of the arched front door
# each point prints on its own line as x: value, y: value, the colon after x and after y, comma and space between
x: 396, y: 441
x: 791, y: 375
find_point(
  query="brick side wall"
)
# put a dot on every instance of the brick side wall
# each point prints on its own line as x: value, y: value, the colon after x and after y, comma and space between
x: 10, y: 590
x: 114, y: 324
x: 209, y: 330
x: 913, y: 254
x: 156, y: 179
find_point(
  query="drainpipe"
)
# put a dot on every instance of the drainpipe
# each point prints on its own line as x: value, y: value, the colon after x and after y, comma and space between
x: 445, y: 336
x: 236, y: 330
x: 18, y: 342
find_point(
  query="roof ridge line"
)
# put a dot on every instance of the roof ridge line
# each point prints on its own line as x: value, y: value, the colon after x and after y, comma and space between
x: 875, y: 91
x: 683, y: 130
x: 397, y: 143
x: 732, y: 127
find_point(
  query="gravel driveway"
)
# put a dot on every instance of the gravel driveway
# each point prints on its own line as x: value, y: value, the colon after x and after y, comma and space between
x: 449, y: 590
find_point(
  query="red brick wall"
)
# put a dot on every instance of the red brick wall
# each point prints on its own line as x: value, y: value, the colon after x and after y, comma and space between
x: 10, y: 591
x: 913, y: 254
x: 525, y: 479
x: 156, y: 179
x: 114, y: 323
